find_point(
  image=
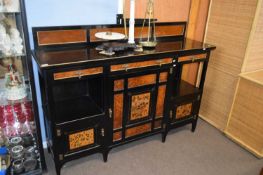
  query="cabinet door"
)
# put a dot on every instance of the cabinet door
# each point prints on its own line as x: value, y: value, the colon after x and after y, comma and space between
x: 80, y: 137
x: 137, y: 103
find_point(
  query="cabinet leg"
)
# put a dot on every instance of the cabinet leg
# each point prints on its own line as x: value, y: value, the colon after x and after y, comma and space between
x: 58, y: 168
x: 48, y: 150
x: 164, y: 134
x: 105, y: 155
x: 194, y: 123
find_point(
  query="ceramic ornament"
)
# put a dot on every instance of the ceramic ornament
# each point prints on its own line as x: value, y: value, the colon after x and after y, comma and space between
x: 16, y: 41
x: 11, y: 5
x: 1, y: 6
x: 5, y: 44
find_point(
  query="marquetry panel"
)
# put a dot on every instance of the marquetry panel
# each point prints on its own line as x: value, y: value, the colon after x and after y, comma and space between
x: 163, y: 31
x: 137, y: 32
x: 138, y: 130
x: 81, y: 139
x: 118, y: 85
x: 183, y: 111
x: 117, y: 136
x: 118, y: 111
x: 142, y: 80
x: 141, y: 64
x: 157, y: 124
x: 190, y: 73
x: 163, y: 77
x: 78, y: 73
x: 61, y: 37
x: 140, y: 106
x: 192, y: 57
x: 160, y: 101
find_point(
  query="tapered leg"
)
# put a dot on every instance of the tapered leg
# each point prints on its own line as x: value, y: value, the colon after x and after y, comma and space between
x: 105, y: 155
x: 194, y: 123
x: 58, y: 168
x: 164, y: 134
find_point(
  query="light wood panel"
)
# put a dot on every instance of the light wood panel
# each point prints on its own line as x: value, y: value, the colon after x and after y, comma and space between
x: 245, y: 125
x: 160, y: 101
x: 61, y: 37
x: 218, y: 93
x: 118, y: 111
x: 254, y: 57
x: 197, y: 19
x: 196, y: 30
x: 228, y: 28
x: 78, y: 73
x: 168, y: 11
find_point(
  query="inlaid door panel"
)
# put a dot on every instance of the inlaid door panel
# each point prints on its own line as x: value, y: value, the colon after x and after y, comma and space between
x: 138, y: 103
x: 184, y: 110
x: 81, y: 135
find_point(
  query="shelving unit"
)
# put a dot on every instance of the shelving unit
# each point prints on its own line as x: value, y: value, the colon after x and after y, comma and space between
x: 18, y: 111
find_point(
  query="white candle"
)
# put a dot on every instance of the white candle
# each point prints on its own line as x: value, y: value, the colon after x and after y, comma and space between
x: 132, y: 22
x: 120, y: 6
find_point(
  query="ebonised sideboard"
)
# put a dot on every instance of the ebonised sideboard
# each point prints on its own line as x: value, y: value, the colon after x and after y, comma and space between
x: 93, y: 103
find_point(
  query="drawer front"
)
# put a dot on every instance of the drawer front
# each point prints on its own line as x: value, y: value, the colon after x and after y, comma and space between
x: 142, y: 64
x: 78, y: 73
x: 192, y: 58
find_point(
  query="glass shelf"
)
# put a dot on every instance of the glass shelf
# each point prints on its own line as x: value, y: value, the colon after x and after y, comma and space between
x: 16, y: 55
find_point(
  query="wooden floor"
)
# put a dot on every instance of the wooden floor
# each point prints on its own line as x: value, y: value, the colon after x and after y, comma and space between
x: 205, y: 152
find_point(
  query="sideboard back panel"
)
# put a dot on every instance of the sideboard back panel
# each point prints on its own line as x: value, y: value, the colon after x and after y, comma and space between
x: 57, y: 37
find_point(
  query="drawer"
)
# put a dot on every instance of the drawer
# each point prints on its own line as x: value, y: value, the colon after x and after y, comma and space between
x: 141, y: 64
x: 78, y: 73
x: 192, y: 58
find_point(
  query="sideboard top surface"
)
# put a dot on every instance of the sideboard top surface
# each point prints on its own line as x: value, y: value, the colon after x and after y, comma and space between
x: 56, y: 57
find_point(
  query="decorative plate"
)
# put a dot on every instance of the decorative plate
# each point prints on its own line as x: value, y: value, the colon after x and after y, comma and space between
x: 110, y: 35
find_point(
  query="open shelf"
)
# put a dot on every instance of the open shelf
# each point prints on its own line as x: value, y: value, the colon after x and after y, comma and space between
x: 84, y: 106
x: 185, y: 89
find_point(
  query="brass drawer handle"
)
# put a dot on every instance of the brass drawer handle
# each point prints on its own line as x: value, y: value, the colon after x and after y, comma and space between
x: 102, y: 132
x: 160, y: 62
x: 125, y: 66
x: 194, y: 59
x: 78, y: 73
x: 110, y: 113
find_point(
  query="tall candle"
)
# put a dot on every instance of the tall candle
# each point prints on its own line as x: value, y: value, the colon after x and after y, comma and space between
x: 132, y: 22
x: 120, y: 6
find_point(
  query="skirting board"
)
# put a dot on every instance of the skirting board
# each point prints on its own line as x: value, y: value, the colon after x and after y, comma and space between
x: 241, y: 143
x: 211, y: 123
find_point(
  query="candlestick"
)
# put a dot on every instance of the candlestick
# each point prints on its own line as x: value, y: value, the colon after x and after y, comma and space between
x: 132, y: 22
x: 120, y: 6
